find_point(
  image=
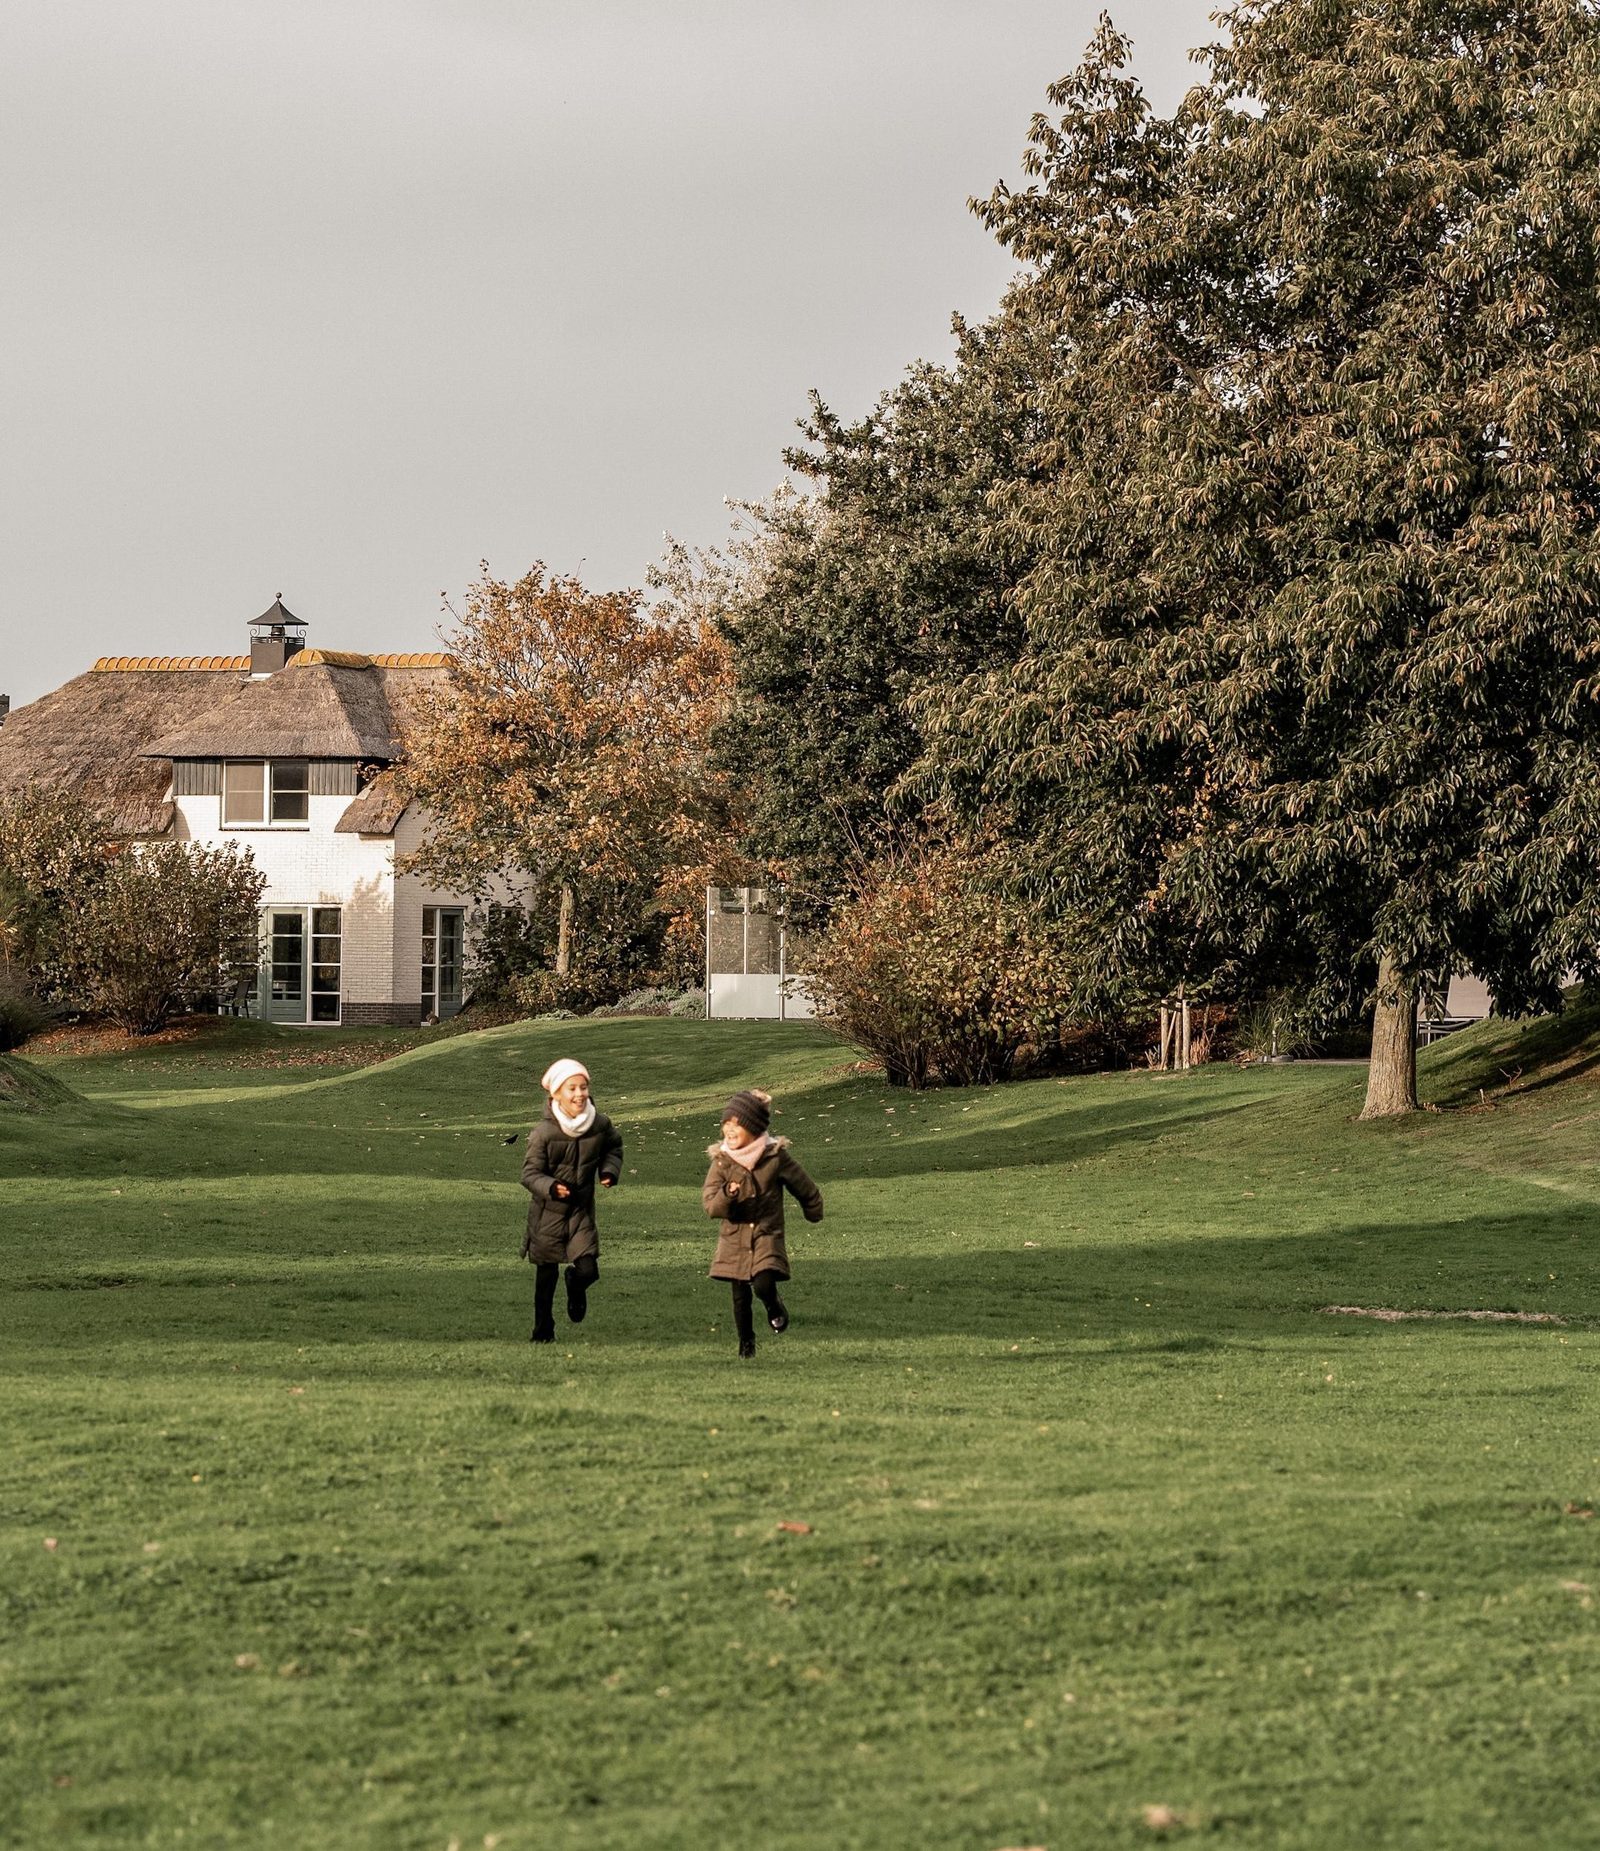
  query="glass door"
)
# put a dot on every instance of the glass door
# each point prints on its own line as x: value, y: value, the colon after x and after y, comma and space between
x: 305, y: 959
x: 444, y: 937
x: 286, y: 965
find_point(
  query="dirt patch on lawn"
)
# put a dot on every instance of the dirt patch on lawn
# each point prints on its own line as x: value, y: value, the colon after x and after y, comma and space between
x: 213, y: 1042
x: 90, y: 1038
x: 1387, y: 1315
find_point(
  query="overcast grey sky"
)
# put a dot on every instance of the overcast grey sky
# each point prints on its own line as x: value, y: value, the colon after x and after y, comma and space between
x: 337, y: 297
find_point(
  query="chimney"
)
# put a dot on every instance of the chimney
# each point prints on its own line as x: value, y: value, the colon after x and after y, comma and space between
x: 275, y: 636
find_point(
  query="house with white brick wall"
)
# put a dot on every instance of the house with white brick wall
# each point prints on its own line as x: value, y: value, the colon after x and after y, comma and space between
x: 289, y: 752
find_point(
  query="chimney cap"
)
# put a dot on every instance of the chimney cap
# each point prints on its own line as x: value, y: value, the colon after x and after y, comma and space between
x: 277, y: 617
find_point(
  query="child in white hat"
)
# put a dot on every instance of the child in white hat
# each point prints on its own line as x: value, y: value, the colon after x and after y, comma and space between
x: 570, y: 1148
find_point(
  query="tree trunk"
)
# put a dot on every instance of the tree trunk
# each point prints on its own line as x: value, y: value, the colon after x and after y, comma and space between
x: 1392, y: 1077
x: 564, y: 930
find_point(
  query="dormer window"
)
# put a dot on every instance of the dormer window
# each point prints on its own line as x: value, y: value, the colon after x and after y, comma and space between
x: 260, y: 792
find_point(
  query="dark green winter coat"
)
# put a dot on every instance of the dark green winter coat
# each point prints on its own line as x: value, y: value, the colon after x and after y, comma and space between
x: 561, y: 1231
x: 749, y: 1204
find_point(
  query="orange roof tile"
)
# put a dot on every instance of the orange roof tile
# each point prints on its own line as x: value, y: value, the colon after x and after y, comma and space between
x: 330, y: 658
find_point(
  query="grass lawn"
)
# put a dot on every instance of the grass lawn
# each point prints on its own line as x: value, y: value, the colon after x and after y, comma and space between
x: 304, y: 1545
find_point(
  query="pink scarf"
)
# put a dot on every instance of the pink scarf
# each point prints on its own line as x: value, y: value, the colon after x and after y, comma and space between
x: 749, y: 1155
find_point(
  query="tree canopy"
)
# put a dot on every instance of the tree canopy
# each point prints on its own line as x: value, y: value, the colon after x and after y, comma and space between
x: 1308, y: 678
x: 568, y: 752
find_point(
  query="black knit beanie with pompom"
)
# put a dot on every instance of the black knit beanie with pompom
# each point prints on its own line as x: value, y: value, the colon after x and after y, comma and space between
x: 750, y: 1109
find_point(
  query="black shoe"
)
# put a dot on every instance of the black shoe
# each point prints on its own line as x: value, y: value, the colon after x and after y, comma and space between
x: 577, y: 1295
x: 777, y: 1313
x: 747, y: 1348
x: 544, y: 1333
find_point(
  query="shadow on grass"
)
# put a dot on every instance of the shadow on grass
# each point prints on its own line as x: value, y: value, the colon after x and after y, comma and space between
x: 1506, y: 1057
x: 1171, y: 1300
x: 112, y: 1141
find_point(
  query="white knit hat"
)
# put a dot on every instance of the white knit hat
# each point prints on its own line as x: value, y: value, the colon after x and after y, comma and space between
x: 561, y: 1072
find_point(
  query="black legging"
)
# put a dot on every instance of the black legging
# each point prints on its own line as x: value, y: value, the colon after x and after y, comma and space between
x: 545, y: 1275
x: 765, y: 1287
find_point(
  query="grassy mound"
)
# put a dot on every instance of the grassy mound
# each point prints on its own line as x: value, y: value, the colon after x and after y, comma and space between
x: 26, y: 1088
x: 1504, y: 1058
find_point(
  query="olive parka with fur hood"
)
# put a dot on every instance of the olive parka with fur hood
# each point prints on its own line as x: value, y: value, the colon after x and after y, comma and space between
x: 563, y: 1229
x: 749, y: 1204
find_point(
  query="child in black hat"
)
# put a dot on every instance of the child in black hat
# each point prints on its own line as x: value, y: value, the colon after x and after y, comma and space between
x: 744, y: 1188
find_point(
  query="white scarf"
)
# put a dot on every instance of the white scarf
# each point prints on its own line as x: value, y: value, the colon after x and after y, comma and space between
x: 574, y: 1127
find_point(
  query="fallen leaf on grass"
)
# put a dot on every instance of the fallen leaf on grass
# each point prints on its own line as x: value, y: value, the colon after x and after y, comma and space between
x: 247, y: 1661
x: 1577, y: 1587
x: 297, y: 1391
x: 50, y: 1544
x: 62, y: 1780
x: 1162, y: 1818
x: 791, y: 1528
x: 1578, y: 1510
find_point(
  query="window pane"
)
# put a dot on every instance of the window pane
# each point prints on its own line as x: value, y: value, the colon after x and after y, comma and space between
x: 290, y: 784
x: 325, y: 1008
x: 325, y: 920
x: 244, y: 793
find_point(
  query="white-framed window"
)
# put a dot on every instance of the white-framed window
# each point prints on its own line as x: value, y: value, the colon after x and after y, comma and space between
x: 304, y: 961
x: 262, y: 791
x: 444, y: 932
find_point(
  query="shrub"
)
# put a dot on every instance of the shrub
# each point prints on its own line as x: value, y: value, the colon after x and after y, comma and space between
x: 934, y: 967
x: 509, y: 943
x: 543, y: 992
x: 22, y: 1016
x: 658, y: 999
x: 169, y: 926
x: 1277, y: 1026
x: 53, y: 857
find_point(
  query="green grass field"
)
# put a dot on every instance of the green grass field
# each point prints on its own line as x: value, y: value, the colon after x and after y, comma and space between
x: 306, y: 1546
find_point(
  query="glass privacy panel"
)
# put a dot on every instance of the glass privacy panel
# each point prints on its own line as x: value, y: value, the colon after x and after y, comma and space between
x: 763, y: 951
x: 725, y: 929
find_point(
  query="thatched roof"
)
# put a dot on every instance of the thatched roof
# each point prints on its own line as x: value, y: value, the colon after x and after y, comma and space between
x: 112, y: 734
x: 320, y: 706
x: 377, y: 810
x: 89, y: 736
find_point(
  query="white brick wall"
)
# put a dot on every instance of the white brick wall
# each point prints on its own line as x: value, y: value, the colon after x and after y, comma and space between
x: 411, y: 895
x: 308, y: 864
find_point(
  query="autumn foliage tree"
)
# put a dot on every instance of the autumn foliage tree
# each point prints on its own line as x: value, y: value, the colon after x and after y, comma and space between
x: 567, y: 753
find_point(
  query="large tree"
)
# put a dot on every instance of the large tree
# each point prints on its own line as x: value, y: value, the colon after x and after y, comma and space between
x: 851, y: 597
x: 568, y: 753
x: 1312, y: 663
